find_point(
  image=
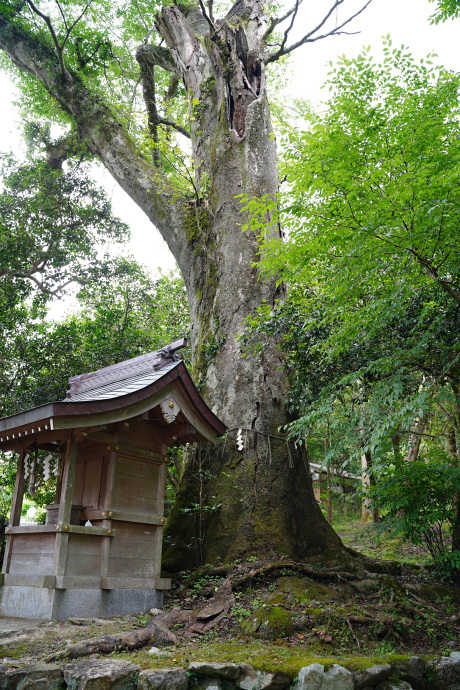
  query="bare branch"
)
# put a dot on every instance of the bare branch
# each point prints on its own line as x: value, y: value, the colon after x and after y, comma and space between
x: 291, y: 23
x: 62, y: 15
x: 47, y: 20
x: 278, y: 20
x: 174, y: 125
x: 211, y: 14
x: 310, y: 37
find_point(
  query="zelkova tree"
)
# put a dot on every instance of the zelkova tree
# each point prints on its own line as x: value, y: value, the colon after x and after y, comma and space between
x: 258, y: 499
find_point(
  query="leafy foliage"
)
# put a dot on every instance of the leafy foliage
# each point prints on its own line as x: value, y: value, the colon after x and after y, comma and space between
x: 445, y: 9
x: 51, y: 225
x: 370, y: 326
x: 420, y: 497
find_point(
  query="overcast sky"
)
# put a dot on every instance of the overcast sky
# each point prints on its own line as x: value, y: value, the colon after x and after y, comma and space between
x: 406, y: 20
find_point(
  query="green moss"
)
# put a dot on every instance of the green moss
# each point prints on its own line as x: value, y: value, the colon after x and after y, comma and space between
x: 268, y: 623
x: 302, y: 591
x: 196, y: 224
x: 208, y: 87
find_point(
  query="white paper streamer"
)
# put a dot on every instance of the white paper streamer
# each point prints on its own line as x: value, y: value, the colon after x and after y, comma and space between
x: 239, y: 440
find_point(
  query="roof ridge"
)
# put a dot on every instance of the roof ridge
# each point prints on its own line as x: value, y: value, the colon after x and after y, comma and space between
x: 120, y: 371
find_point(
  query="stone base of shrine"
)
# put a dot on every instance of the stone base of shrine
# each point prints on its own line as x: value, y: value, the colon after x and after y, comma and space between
x: 60, y: 604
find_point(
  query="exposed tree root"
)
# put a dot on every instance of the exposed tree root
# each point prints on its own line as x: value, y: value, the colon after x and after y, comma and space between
x: 156, y: 631
x: 205, y: 617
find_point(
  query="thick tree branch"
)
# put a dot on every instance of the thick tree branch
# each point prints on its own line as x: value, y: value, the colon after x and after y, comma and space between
x: 156, y: 55
x: 57, y: 153
x: 106, y: 138
x: 147, y: 62
x: 312, y: 36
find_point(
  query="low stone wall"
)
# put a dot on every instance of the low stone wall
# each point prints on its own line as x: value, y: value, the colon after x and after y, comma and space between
x: 110, y: 674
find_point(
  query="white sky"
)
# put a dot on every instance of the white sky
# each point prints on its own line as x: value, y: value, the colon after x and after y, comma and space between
x: 406, y: 21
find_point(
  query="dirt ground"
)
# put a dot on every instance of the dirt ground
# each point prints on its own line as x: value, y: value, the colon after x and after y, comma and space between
x: 284, y: 619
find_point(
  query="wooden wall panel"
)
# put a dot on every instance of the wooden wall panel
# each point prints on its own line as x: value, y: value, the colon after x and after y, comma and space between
x: 136, y: 550
x: 78, y: 564
x: 128, y: 567
x: 83, y: 555
x: 137, y: 486
x: 92, y: 483
x: 133, y: 548
x: 135, y: 530
x: 78, y: 484
x: 32, y: 554
x: 137, y: 468
x: 33, y: 543
x: 32, y: 564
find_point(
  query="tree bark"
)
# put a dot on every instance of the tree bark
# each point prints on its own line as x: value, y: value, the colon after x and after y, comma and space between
x: 231, y: 503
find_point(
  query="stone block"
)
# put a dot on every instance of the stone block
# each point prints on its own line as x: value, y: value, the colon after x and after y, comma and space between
x: 250, y: 679
x: 163, y: 679
x: 314, y: 677
x: 26, y: 602
x: 371, y: 676
x: 412, y: 672
x: 32, y: 677
x: 202, y: 668
x: 101, y: 674
x: 206, y: 683
x: 444, y: 673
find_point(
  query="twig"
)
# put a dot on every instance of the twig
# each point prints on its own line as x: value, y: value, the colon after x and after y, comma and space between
x: 351, y: 630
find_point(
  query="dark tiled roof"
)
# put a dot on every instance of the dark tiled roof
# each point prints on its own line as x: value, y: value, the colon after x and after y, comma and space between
x: 117, y: 388
x: 130, y: 369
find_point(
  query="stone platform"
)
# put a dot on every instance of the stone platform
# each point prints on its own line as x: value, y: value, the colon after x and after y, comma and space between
x: 40, y: 603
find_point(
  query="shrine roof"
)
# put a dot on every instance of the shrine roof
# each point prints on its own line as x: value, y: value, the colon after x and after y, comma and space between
x: 118, y: 390
x: 115, y: 389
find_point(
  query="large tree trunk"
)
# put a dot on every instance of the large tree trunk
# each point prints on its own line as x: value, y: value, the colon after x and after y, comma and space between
x: 258, y: 500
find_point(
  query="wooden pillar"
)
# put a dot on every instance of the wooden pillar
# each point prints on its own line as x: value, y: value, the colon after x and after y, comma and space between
x: 160, y: 510
x: 111, y: 469
x: 65, y: 507
x: 16, y: 507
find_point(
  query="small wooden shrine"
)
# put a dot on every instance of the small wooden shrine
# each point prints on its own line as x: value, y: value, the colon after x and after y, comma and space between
x: 99, y: 553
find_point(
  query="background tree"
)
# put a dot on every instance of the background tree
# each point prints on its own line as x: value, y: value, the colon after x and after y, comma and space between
x: 53, y: 228
x: 213, y: 76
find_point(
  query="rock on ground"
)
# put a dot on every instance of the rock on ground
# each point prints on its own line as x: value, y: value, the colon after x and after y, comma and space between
x: 250, y: 679
x: 101, y: 674
x: 163, y: 679
x: 412, y: 672
x: 33, y: 677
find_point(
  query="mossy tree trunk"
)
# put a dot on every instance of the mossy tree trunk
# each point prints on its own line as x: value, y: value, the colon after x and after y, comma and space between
x: 259, y: 500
